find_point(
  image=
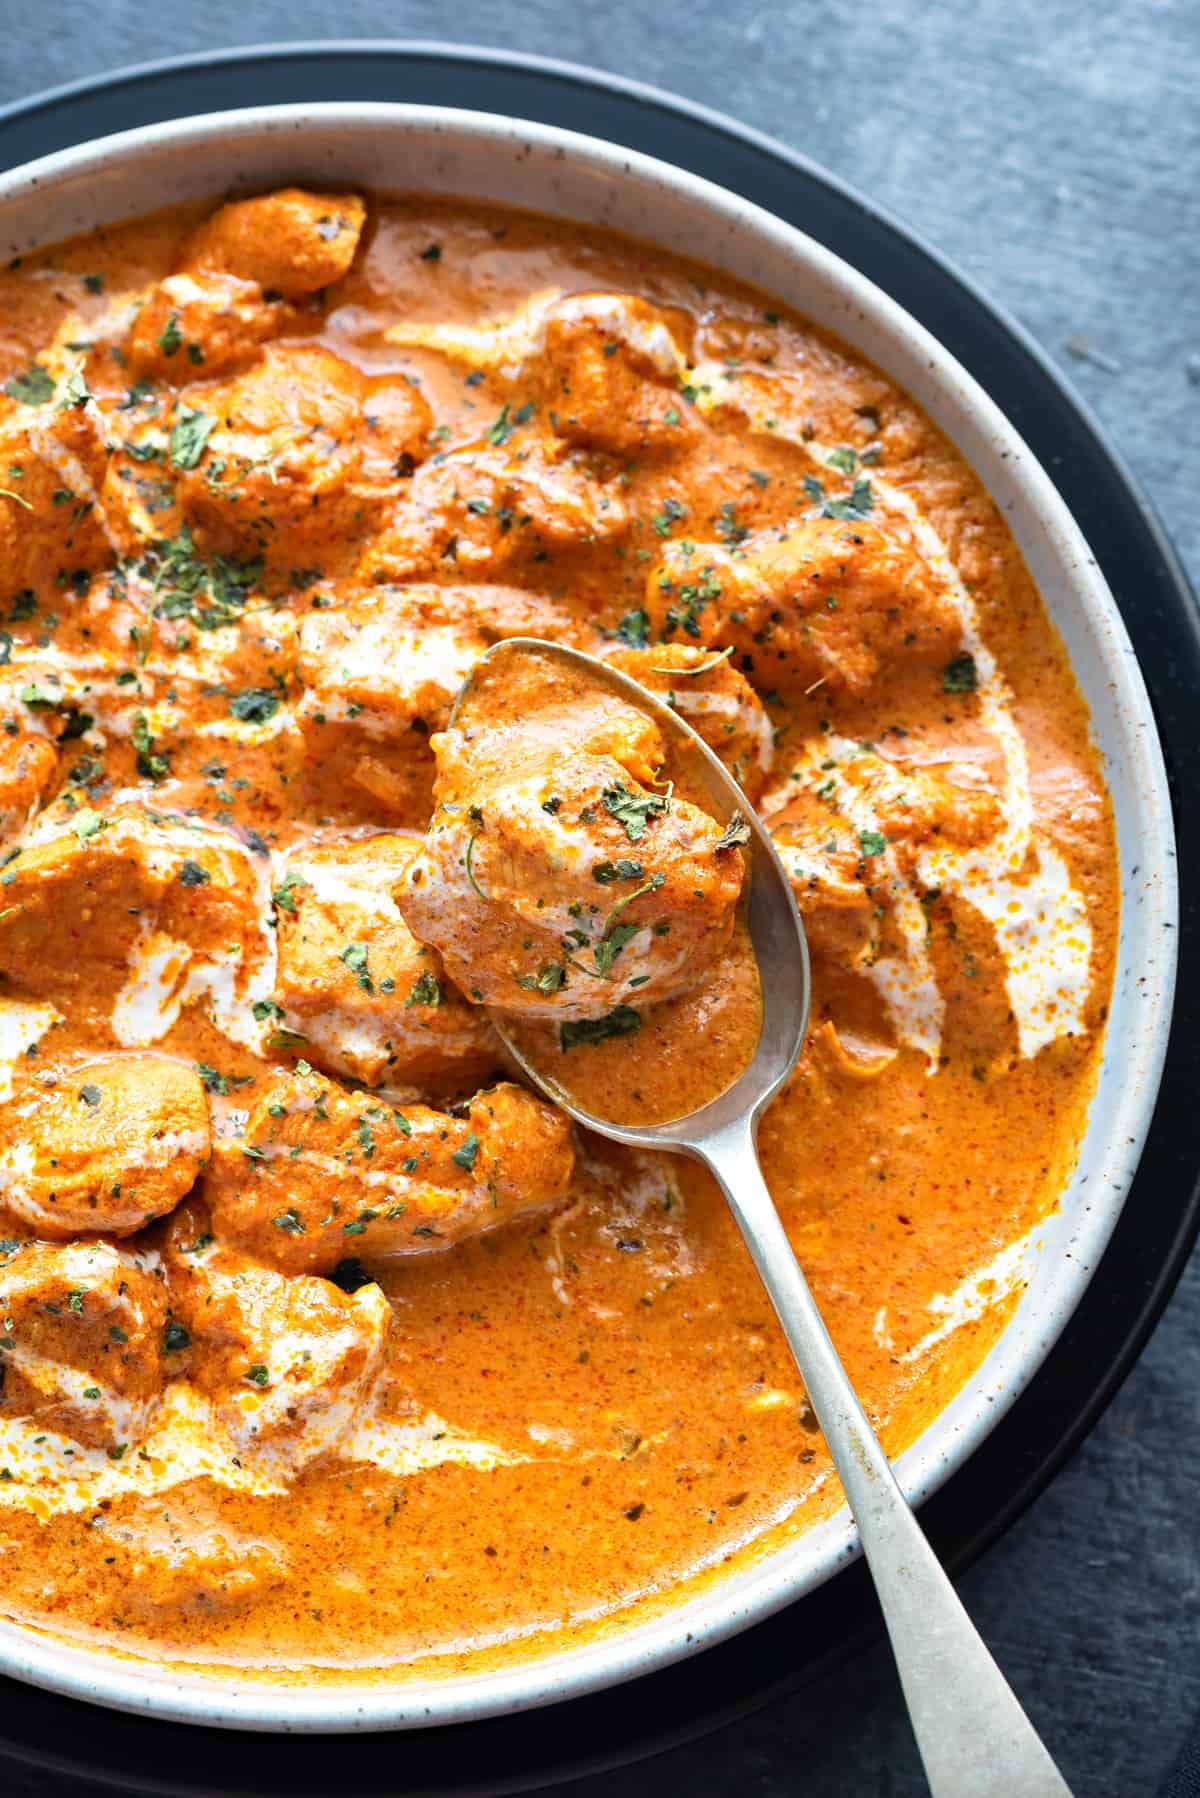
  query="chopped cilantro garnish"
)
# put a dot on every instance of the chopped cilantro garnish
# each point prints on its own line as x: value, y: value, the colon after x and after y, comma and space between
x: 728, y: 528
x: 736, y: 832
x: 634, y: 810
x: 668, y: 514
x: 151, y: 763
x: 33, y: 388
x: 607, y: 872
x: 171, y: 337
x: 287, y: 888
x: 575, y: 1032
x: 506, y: 423
x: 355, y: 957
x: 858, y: 505
x: 210, y: 591
x: 464, y: 1155
x: 74, y: 392
x: 140, y: 394
x: 612, y: 943
x: 254, y: 705
x: 39, y: 698
x: 189, y: 437
x: 426, y: 991
x: 634, y: 627
x: 960, y: 675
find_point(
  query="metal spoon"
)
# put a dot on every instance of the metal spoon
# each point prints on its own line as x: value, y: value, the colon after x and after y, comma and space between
x: 974, y: 1738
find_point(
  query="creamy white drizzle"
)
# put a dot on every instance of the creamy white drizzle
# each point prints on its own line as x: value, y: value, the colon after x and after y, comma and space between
x: 974, y: 1297
x: 501, y: 346
x: 505, y: 345
x: 407, y: 1448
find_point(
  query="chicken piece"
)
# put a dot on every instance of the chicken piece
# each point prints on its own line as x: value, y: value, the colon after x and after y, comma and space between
x: 571, y: 890
x: 83, y: 1334
x: 831, y: 880
x: 553, y: 876
x: 294, y: 469
x: 289, y: 242
x: 176, y: 1559
x: 251, y: 653
x: 389, y: 660
x: 916, y: 806
x: 53, y: 522
x: 369, y: 999
x: 129, y: 900
x: 715, y: 699
x: 501, y: 345
x: 288, y: 1361
x: 830, y: 840
x: 211, y: 321
x: 28, y: 770
x: 380, y: 672
x: 491, y: 506
x: 112, y: 1145
x: 321, y: 1174
x: 609, y: 372
x: 825, y: 600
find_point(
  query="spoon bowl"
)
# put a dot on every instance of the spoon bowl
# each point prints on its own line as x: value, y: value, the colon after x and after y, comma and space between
x: 776, y: 931
x: 975, y: 1740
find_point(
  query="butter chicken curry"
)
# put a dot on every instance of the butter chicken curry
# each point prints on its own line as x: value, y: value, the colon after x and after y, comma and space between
x: 325, y: 1343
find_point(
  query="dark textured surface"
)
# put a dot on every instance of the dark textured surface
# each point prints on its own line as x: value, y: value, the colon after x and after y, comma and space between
x: 1052, y: 151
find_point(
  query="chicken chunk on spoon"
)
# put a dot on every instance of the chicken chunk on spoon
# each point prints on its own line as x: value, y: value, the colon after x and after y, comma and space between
x: 559, y: 873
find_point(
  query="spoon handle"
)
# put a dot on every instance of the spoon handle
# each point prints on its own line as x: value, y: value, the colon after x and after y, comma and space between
x: 974, y: 1738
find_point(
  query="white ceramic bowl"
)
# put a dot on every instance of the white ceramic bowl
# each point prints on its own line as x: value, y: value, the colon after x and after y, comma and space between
x: 412, y: 147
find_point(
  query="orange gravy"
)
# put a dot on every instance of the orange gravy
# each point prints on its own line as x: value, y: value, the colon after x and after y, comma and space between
x: 582, y: 1414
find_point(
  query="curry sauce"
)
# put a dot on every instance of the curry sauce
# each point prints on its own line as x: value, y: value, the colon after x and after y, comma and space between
x: 325, y: 1343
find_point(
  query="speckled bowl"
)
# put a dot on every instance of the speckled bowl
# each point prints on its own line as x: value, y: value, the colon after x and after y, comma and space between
x: 440, y: 150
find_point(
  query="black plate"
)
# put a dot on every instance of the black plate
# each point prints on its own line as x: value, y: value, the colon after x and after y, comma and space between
x: 1159, y: 1225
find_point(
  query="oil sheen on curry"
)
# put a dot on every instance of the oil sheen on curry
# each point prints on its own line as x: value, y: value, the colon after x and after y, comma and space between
x: 325, y: 1342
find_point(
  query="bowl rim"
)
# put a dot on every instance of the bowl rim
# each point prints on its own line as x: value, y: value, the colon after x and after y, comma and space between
x: 720, y: 1611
